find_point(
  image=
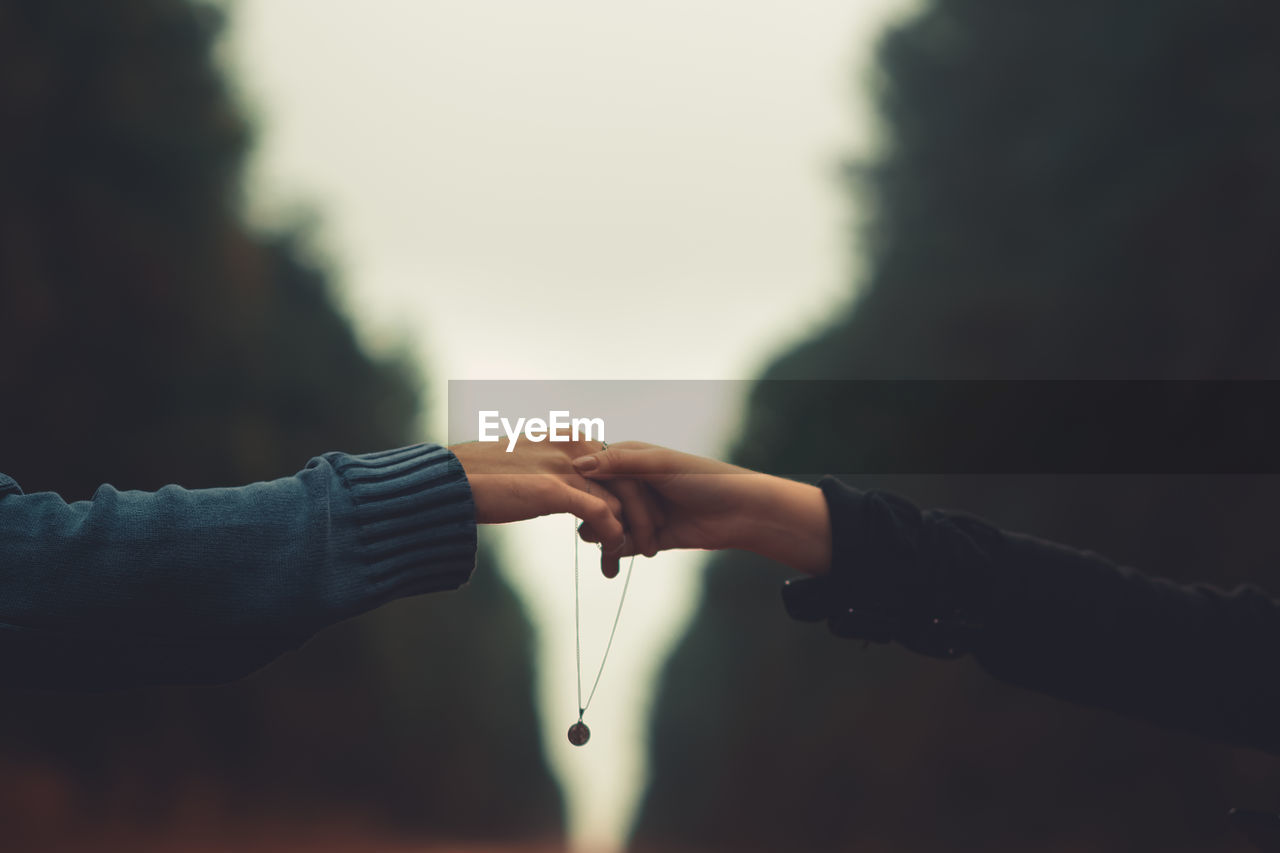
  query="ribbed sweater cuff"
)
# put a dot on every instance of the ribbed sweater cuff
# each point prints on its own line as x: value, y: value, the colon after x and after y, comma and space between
x: 415, y: 521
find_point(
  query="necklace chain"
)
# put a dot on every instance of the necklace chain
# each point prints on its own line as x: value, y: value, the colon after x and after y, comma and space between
x: 577, y: 625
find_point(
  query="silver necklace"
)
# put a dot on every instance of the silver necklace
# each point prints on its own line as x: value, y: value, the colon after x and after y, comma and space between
x: 579, y: 734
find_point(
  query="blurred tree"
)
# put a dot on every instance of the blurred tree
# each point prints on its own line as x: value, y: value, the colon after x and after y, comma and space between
x: 147, y: 337
x: 1071, y: 190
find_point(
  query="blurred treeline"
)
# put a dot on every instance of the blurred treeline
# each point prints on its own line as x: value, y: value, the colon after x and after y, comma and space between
x: 148, y: 336
x: 1066, y: 190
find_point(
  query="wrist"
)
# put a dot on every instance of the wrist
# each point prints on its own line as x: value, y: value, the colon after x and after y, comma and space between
x: 789, y: 522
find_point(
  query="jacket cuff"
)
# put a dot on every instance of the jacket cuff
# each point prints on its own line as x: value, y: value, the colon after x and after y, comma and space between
x: 415, y: 527
x: 862, y: 596
x: 896, y: 574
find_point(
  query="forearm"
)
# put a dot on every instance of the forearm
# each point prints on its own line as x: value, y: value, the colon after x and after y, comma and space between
x: 787, y: 521
x: 1065, y: 622
x: 207, y: 585
x: 1076, y: 626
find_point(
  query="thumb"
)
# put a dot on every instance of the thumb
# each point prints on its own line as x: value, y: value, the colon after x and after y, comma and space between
x: 617, y: 461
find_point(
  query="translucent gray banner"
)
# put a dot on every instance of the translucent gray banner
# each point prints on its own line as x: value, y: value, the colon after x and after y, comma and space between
x: 806, y: 428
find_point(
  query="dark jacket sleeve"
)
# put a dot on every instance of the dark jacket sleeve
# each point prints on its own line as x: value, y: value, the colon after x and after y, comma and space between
x: 1068, y: 623
x: 201, y: 586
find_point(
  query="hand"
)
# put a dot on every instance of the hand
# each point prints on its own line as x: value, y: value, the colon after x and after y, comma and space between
x: 536, y: 479
x: 677, y: 500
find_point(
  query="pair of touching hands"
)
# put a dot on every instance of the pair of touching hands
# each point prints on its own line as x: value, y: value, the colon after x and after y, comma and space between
x: 637, y: 498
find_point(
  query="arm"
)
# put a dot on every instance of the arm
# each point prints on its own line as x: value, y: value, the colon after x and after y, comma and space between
x: 1068, y: 623
x: 1035, y: 614
x: 199, y: 586
x: 182, y: 586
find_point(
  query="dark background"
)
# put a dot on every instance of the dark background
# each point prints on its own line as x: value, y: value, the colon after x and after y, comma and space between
x: 1082, y: 190
x: 148, y: 336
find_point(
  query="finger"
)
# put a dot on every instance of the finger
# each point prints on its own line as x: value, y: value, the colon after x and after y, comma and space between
x: 598, y: 490
x: 593, y: 510
x: 587, y: 533
x: 640, y: 514
x: 616, y: 461
x: 610, y: 562
x: 608, y: 559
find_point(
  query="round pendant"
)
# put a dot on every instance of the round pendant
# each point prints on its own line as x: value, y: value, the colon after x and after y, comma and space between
x: 579, y: 733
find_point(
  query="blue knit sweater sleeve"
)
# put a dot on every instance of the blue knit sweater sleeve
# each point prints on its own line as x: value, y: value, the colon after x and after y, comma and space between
x: 204, y: 586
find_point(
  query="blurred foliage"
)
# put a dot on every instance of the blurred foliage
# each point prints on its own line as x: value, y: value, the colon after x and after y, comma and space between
x: 148, y: 336
x: 1071, y: 190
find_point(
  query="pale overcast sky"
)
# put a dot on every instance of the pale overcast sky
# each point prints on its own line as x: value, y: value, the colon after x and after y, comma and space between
x: 569, y: 189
